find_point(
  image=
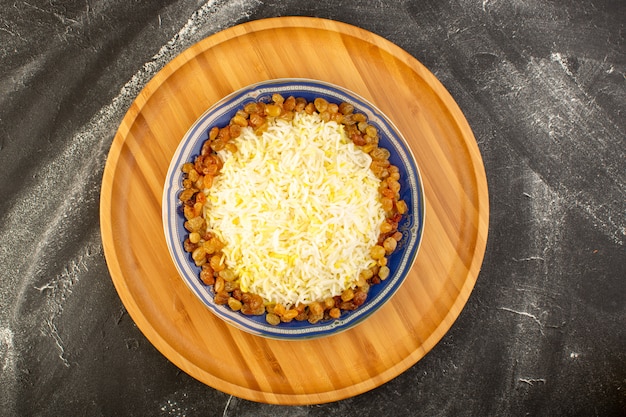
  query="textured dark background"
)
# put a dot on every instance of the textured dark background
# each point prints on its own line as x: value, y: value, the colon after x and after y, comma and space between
x: 543, y: 85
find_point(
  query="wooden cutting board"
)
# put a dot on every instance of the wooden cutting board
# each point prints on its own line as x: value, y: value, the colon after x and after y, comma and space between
x: 392, y: 339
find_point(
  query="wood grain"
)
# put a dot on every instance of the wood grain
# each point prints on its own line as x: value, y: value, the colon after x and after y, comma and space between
x: 392, y: 339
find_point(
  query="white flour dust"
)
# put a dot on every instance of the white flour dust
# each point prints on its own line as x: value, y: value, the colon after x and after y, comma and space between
x: 569, y: 126
x: 532, y: 300
x: 575, y: 115
x: 60, y: 288
x: 7, y: 350
x: 213, y: 16
x: 171, y: 408
x: 7, y: 362
x: 557, y: 57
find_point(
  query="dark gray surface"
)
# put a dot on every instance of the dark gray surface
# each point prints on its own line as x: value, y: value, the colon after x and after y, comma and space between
x: 542, y: 84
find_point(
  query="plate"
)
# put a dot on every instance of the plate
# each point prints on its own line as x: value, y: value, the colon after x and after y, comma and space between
x: 319, y: 370
x: 220, y: 114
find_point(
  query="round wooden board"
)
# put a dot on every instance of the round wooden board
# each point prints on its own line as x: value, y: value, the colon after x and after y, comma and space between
x: 320, y: 370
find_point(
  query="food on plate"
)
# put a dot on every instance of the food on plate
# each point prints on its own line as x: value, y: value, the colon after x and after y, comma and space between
x: 292, y: 210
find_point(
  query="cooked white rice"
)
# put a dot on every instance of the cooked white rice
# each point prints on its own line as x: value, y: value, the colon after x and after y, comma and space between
x: 298, y: 209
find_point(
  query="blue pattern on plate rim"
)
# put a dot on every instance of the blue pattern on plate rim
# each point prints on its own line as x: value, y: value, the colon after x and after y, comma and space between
x: 411, y: 225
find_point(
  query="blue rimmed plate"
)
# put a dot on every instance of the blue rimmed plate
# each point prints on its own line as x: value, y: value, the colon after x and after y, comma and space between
x: 411, y: 225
